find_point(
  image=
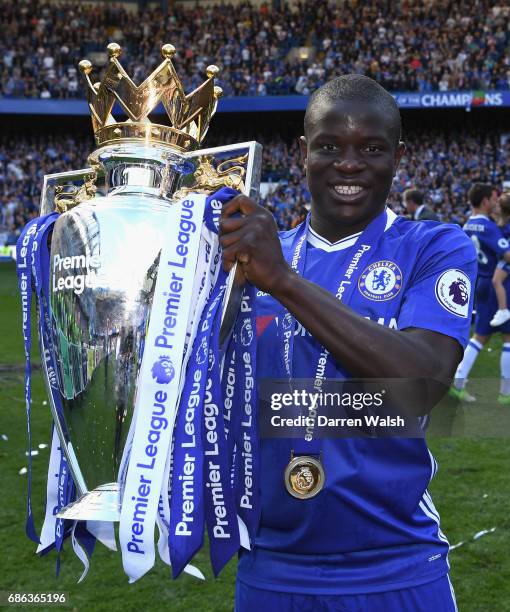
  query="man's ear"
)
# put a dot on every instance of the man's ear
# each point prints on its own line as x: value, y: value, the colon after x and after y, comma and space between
x: 304, y: 149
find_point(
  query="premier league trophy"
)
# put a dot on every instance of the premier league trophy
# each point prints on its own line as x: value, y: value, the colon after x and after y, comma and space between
x: 106, y: 249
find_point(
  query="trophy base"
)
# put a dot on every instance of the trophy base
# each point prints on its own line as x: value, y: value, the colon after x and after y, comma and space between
x: 101, y: 504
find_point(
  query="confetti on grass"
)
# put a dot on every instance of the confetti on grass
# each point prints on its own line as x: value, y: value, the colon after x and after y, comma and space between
x: 477, y: 535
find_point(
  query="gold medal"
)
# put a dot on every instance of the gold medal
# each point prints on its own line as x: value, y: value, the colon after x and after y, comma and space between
x: 304, y: 477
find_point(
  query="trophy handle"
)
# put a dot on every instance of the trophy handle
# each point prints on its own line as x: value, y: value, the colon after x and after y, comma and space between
x: 238, y: 166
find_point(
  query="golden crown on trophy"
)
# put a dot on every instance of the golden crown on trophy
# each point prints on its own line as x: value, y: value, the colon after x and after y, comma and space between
x: 189, y: 114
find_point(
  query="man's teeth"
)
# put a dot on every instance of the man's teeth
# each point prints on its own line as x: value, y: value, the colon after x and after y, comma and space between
x: 348, y: 189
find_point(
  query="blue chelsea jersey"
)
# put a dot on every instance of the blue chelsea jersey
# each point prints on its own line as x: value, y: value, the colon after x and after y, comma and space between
x: 489, y: 241
x: 505, y: 230
x: 374, y: 526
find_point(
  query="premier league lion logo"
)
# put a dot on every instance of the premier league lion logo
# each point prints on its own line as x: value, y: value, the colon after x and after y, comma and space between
x: 287, y: 321
x: 246, y: 333
x: 453, y: 289
x: 163, y: 370
x: 202, y: 351
x: 458, y: 291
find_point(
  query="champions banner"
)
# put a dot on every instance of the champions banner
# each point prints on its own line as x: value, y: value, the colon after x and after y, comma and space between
x: 452, y: 99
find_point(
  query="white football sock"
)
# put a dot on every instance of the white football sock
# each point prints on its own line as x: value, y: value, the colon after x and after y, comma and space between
x: 470, y: 355
x: 505, y: 369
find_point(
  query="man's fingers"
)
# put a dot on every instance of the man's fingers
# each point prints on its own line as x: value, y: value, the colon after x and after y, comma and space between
x: 232, y: 254
x: 231, y: 238
x: 229, y: 257
x: 240, y: 203
x: 228, y: 225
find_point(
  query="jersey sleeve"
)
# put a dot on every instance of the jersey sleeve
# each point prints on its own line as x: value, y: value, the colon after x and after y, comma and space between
x: 440, y: 293
x: 497, y: 241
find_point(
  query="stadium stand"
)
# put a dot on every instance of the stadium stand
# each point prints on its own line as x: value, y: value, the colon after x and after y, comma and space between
x: 268, y: 49
x: 443, y: 163
x: 406, y: 46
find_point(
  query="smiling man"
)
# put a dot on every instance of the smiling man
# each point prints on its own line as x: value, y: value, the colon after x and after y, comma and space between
x: 369, y: 295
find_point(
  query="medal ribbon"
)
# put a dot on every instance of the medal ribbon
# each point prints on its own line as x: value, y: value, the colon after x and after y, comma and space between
x: 349, y: 273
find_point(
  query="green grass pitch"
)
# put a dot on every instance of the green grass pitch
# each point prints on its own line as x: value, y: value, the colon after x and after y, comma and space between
x: 471, y: 492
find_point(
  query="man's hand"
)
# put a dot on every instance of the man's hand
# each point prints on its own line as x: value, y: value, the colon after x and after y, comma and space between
x: 252, y: 240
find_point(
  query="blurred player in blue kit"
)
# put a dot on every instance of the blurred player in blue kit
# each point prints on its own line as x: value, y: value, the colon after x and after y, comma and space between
x: 377, y: 296
x: 503, y: 268
x: 492, y: 247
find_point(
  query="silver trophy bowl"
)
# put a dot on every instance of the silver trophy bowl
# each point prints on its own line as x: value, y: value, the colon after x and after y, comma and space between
x: 103, y: 266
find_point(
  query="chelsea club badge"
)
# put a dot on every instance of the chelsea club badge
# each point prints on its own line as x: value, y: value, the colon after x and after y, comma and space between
x: 380, y: 281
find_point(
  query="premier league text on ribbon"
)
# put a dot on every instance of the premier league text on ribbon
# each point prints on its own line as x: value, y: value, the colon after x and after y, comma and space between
x: 188, y: 469
x: 163, y: 372
x: 22, y: 266
x: 246, y: 451
x: 186, y: 227
x: 158, y: 422
x: 212, y: 469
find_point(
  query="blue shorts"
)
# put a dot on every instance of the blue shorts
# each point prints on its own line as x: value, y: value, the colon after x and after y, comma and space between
x: 486, y: 305
x: 436, y: 596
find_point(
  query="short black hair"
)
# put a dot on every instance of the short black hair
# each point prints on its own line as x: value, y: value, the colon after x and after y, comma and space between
x: 355, y: 88
x: 415, y: 195
x: 478, y: 192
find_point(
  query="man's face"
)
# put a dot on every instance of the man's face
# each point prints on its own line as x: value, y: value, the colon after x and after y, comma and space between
x: 350, y: 158
x: 410, y: 206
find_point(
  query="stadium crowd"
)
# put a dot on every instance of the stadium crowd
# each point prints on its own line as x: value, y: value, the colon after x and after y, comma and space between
x: 441, y: 165
x: 405, y: 45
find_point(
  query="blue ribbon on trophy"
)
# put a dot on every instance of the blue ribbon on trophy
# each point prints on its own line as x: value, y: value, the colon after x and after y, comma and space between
x: 203, y: 452
x: 33, y: 275
x: 245, y: 416
x: 24, y: 255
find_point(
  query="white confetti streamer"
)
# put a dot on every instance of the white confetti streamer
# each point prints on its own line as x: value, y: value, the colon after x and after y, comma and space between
x: 477, y: 535
x: 483, y: 532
